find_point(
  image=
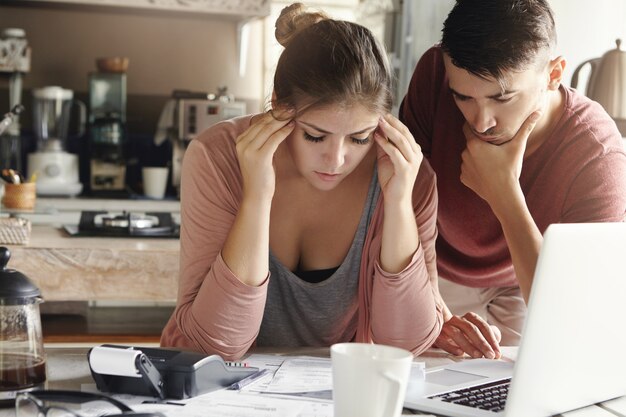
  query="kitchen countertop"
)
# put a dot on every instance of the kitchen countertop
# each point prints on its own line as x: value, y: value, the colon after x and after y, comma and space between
x: 56, y: 211
x: 98, y: 268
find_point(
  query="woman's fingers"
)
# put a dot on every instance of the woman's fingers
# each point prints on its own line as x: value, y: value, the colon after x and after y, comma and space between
x: 271, y: 144
x: 264, y: 127
x: 398, y: 135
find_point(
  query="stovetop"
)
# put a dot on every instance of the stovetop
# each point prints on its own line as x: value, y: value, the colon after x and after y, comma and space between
x: 125, y: 224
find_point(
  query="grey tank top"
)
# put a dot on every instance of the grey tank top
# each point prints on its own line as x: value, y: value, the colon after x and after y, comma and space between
x: 300, y: 313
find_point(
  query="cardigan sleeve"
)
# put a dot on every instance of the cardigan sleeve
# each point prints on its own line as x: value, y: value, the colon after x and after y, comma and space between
x: 403, y: 308
x: 215, y: 311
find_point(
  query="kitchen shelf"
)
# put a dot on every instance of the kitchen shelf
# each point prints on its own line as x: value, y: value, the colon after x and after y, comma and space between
x: 238, y: 9
x: 242, y: 12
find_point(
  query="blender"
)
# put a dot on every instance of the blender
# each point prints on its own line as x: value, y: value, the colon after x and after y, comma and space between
x: 55, y: 169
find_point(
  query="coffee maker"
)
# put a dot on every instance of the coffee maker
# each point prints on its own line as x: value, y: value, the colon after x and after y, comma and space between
x: 22, y: 356
x: 55, y: 169
x: 107, y: 132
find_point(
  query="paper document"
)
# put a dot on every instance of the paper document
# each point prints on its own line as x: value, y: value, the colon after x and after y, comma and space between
x: 302, y: 374
x: 221, y: 403
x: 295, y: 387
x: 225, y: 403
x: 269, y: 362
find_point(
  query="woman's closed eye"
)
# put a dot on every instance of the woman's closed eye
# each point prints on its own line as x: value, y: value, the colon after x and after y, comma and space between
x: 358, y: 141
x: 312, y: 138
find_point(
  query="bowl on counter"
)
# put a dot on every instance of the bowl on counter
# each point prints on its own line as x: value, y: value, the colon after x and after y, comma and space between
x: 117, y: 64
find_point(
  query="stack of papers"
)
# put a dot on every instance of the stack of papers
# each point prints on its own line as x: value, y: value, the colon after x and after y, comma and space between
x: 298, y: 386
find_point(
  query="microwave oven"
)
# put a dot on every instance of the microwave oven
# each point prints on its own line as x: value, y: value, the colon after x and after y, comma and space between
x: 194, y: 115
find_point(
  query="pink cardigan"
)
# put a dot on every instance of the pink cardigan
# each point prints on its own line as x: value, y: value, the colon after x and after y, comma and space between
x: 217, y: 313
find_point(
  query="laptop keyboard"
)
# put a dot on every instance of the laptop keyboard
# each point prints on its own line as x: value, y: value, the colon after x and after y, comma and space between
x: 491, y: 396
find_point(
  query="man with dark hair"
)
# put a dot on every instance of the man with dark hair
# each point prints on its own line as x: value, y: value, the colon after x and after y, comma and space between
x: 514, y: 151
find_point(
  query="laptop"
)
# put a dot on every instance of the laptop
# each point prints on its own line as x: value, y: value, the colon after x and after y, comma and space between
x: 573, y: 342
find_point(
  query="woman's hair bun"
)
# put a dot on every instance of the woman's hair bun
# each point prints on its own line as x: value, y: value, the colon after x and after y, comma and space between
x: 293, y: 19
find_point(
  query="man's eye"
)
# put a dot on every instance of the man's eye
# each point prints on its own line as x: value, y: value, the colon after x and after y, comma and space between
x: 363, y: 141
x: 503, y: 99
x: 312, y: 138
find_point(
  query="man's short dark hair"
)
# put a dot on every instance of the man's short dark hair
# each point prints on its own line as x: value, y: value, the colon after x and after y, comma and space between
x: 489, y: 37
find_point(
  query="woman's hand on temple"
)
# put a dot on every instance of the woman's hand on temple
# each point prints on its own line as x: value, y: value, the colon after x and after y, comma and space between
x: 399, y: 158
x: 255, y: 151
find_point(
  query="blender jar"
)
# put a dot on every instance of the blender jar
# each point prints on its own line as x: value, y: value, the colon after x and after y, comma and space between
x: 51, y: 117
x: 22, y: 358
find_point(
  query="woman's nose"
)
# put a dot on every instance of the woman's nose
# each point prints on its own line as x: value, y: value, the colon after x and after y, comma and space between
x: 334, y: 154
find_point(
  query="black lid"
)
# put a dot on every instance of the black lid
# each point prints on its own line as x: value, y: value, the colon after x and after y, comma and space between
x: 15, y: 287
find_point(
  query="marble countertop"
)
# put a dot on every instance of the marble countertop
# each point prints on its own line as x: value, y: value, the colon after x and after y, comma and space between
x: 95, y: 268
x: 55, y: 211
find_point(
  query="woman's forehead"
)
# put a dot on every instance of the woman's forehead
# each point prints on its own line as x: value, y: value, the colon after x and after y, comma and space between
x: 335, y: 118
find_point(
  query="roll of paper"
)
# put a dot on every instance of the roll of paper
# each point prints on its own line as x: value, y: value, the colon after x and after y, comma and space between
x: 114, y: 361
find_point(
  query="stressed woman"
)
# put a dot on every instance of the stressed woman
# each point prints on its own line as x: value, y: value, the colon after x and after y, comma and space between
x: 313, y: 223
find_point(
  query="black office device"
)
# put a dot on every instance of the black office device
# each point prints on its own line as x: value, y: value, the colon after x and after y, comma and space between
x: 161, y: 372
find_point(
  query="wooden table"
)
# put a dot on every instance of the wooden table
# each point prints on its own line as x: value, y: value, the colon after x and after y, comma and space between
x: 68, y: 369
x: 97, y: 268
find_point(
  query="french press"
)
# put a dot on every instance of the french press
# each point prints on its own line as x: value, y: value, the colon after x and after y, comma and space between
x: 22, y: 358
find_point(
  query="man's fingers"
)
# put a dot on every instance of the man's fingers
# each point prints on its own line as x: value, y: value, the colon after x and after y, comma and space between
x: 527, y: 127
x: 470, y: 333
x: 486, y: 339
x: 497, y: 333
x: 460, y: 331
x: 447, y: 344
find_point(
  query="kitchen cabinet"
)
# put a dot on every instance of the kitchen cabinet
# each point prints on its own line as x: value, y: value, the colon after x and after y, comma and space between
x: 242, y: 12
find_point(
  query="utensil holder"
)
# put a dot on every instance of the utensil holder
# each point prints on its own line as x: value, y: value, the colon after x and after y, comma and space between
x: 20, y: 196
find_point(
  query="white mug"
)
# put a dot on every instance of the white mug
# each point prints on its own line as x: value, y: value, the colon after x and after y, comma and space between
x: 154, y: 181
x: 369, y: 380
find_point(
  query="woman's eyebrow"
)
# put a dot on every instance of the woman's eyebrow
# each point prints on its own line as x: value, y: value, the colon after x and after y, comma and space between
x: 312, y: 126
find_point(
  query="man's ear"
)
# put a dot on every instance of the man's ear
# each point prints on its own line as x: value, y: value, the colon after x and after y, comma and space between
x: 556, y: 67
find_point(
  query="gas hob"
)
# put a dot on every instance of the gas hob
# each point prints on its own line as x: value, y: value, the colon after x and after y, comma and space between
x: 125, y: 224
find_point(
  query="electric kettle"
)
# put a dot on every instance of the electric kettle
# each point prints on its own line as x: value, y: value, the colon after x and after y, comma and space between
x: 607, y: 83
x: 22, y: 358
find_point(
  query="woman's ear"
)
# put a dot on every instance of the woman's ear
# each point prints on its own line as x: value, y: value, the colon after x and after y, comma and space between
x: 273, y: 102
x: 556, y: 67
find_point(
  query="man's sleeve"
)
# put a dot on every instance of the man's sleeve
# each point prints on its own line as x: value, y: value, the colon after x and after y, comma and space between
x: 418, y: 107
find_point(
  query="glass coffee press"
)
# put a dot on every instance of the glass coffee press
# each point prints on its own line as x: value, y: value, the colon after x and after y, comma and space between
x: 22, y: 358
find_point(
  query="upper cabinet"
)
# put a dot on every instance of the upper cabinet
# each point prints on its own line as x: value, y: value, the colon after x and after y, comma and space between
x: 237, y: 9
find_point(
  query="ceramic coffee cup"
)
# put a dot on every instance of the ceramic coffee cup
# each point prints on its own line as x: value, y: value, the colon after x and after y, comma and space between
x: 154, y: 181
x: 369, y: 380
